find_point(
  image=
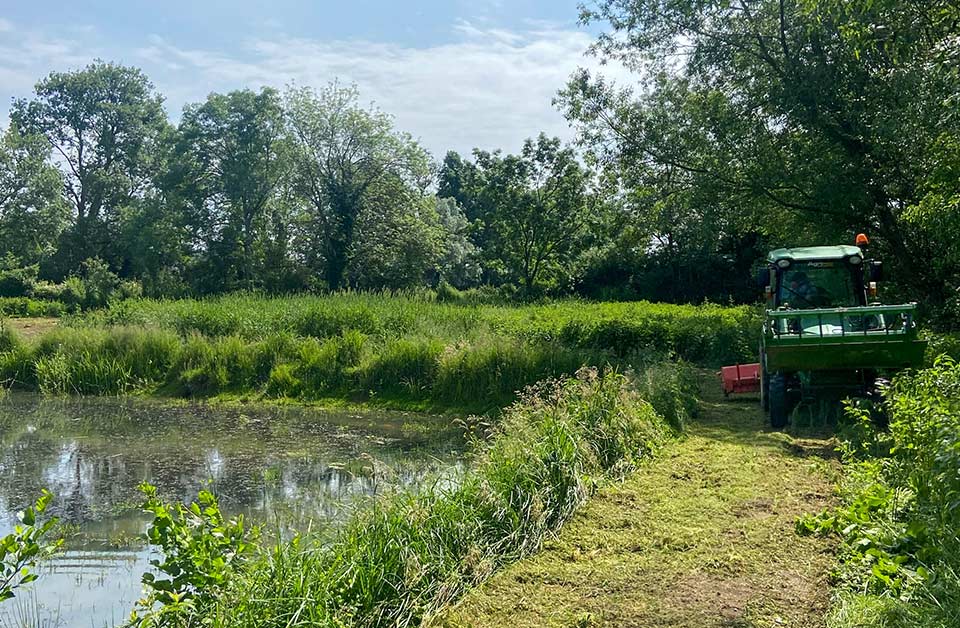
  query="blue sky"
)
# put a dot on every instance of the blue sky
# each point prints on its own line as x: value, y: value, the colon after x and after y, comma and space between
x: 456, y: 74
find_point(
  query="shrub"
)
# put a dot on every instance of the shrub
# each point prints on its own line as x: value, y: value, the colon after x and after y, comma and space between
x: 22, y: 549
x: 18, y: 282
x: 23, y: 307
x: 899, y: 516
x: 201, y: 550
x: 73, y: 293
x: 99, y: 283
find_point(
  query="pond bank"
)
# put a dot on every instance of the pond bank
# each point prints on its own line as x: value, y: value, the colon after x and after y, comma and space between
x: 702, y: 536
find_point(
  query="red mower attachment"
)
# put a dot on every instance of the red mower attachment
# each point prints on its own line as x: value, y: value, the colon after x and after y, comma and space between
x: 742, y: 378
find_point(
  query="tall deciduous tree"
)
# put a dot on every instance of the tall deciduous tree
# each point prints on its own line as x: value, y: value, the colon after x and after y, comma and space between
x: 102, y: 124
x: 32, y: 210
x: 823, y: 116
x: 532, y: 209
x: 342, y: 151
x: 232, y: 157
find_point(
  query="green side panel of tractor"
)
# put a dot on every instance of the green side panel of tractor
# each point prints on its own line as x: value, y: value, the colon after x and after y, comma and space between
x: 871, y: 337
x: 880, y: 356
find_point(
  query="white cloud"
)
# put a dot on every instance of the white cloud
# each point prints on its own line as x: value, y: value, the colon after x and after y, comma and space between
x: 490, y: 88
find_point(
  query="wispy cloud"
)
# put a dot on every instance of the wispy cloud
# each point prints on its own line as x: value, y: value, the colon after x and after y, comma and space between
x: 490, y: 88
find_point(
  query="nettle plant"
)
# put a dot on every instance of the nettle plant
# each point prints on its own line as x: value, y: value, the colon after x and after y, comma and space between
x: 21, y: 550
x: 200, y: 552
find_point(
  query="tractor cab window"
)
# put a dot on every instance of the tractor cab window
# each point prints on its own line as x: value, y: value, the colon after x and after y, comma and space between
x: 808, y: 285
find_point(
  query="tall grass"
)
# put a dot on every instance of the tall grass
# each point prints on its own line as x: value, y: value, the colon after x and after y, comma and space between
x: 409, y: 555
x: 708, y: 334
x: 395, y: 350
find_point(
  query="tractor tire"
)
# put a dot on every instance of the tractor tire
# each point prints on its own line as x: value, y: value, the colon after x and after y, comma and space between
x: 777, y: 399
x: 764, y: 384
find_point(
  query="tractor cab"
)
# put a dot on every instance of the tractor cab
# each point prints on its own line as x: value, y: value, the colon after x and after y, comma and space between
x: 819, y: 277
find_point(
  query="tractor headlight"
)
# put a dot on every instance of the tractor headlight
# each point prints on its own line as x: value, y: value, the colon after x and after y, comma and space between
x: 783, y: 263
x: 856, y: 260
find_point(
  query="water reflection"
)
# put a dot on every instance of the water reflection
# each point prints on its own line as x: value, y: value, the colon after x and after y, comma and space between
x: 286, y: 468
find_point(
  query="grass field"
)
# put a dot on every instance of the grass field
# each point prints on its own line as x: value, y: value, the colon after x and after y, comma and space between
x: 408, y: 351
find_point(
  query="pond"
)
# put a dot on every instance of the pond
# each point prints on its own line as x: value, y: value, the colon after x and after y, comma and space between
x: 288, y: 468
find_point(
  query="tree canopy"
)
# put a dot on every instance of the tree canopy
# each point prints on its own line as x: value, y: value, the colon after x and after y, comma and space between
x: 747, y: 125
x: 814, y: 119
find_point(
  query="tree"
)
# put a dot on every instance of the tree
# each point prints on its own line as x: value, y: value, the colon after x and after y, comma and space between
x: 399, y: 239
x: 817, y: 117
x: 32, y: 210
x: 342, y: 151
x: 231, y: 157
x: 102, y: 124
x: 533, y: 208
x: 460, y: 262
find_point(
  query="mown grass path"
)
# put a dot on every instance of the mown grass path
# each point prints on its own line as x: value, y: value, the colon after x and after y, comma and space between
x: 703, y: 536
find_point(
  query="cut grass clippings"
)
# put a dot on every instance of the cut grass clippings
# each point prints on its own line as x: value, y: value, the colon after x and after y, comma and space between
x: 702, y: 536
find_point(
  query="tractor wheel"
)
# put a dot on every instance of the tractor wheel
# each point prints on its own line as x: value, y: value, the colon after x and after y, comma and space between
x: 764, y: 384
x: 777, y: 399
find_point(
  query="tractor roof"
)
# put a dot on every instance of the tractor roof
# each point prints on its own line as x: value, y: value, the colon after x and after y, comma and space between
x: 811, y: 253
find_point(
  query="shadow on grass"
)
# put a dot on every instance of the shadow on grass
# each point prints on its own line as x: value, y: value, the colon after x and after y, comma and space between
x: 740, y: 420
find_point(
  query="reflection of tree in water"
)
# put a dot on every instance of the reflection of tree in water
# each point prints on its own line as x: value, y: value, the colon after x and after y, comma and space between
x: 93, y: 456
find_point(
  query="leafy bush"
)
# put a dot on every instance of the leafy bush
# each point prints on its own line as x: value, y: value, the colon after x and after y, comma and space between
x: 22, y: 549
x: 200, y: 553
x: 899, y: 516
x: 18, y: 282
x: 24, y: 307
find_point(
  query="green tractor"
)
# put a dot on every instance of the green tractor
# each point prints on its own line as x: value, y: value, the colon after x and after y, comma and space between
x: 825, y: 334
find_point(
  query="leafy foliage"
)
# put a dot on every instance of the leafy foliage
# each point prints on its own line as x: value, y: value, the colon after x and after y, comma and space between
x: 533, y: 207
x: 348, y: 161
x: 21, y: 550
x: 899, y: 518
x: 779, y: 121
x: 103, y: 123
x: 201, y: 551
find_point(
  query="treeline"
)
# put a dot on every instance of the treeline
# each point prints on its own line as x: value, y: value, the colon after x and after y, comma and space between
x: 751, y: 125
x: 276, y: 191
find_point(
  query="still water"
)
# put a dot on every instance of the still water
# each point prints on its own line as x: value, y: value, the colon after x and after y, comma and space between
x: 286, y: 468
